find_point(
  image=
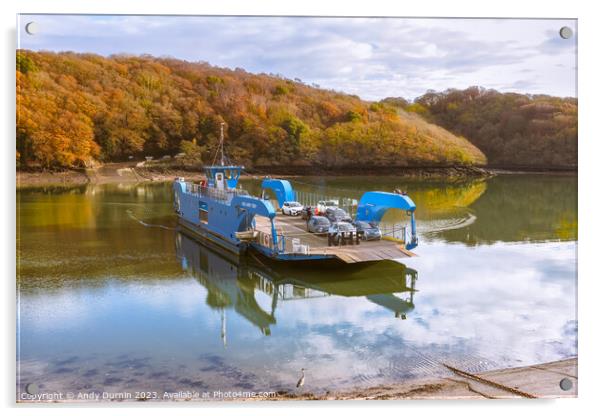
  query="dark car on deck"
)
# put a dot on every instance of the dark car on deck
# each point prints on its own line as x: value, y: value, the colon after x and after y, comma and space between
x: 341, y: 232
x: 337, y: 215
x: 368, y: 231
x: 318, y: 224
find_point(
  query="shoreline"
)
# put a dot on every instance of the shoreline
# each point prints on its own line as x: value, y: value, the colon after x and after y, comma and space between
x: 533, y: 381
x: 538, y: 381
x: 131, y: 172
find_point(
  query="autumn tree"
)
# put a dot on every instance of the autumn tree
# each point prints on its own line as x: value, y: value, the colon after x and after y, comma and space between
x: 511, y: 129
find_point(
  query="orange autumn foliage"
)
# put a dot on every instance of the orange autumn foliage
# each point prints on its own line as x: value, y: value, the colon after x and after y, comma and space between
x: 76, y: 108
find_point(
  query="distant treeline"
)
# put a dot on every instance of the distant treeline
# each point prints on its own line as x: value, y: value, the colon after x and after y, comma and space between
x: 73, y: 109
x: 513, y: 130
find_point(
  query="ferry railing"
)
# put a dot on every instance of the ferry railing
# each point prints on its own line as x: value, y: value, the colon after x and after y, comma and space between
x: 310, y: 199
x: 220, y: 195
x: 394, y: 232
x: 284, y: 243
x: 293, y: 245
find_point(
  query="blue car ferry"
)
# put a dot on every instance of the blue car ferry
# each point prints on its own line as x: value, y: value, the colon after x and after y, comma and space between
x: 225, y: 216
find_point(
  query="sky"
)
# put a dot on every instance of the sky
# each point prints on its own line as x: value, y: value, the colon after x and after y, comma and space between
x: 373, y: 58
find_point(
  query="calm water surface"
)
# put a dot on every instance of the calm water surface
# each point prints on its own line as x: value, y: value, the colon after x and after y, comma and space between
x: 112, y: 298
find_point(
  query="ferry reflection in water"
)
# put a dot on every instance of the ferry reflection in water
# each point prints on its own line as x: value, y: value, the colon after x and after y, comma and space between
x: 231, y: 283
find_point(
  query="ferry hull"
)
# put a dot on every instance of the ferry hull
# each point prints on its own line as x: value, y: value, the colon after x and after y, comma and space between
x: 210, y: 239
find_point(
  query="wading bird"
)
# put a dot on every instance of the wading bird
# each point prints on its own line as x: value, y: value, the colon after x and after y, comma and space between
x: 302, y: 379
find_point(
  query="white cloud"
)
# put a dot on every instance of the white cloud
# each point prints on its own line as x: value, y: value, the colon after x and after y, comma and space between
x: 371, y: 57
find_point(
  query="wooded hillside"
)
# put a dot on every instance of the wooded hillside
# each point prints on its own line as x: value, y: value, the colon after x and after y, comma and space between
x: 513, y: 130
x: 76, y: 108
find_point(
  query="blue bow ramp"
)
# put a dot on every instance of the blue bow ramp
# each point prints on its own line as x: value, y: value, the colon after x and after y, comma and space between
x: 373, y: 205
x: 281, y: 188
x: 254, y: 206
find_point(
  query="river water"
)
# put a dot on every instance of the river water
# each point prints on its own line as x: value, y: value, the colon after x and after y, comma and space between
x: 112, y: 298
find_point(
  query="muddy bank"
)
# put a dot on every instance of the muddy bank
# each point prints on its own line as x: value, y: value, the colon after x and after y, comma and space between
x: 66, y: 178
x: 532, y: 169
x: 444, y: 172
x: 110, y: 173
x: 131, y: 172
x: 535, y: 381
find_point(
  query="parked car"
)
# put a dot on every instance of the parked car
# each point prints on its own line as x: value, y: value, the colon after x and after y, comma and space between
x: 369, y: 231
x: 338, y: 229
x: 337, y: 215
x: 292, y: 208
x: 318, y: 224
x: 324, y: 205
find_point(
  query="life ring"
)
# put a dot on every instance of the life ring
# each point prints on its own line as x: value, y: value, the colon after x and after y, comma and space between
x: 265, y: 239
